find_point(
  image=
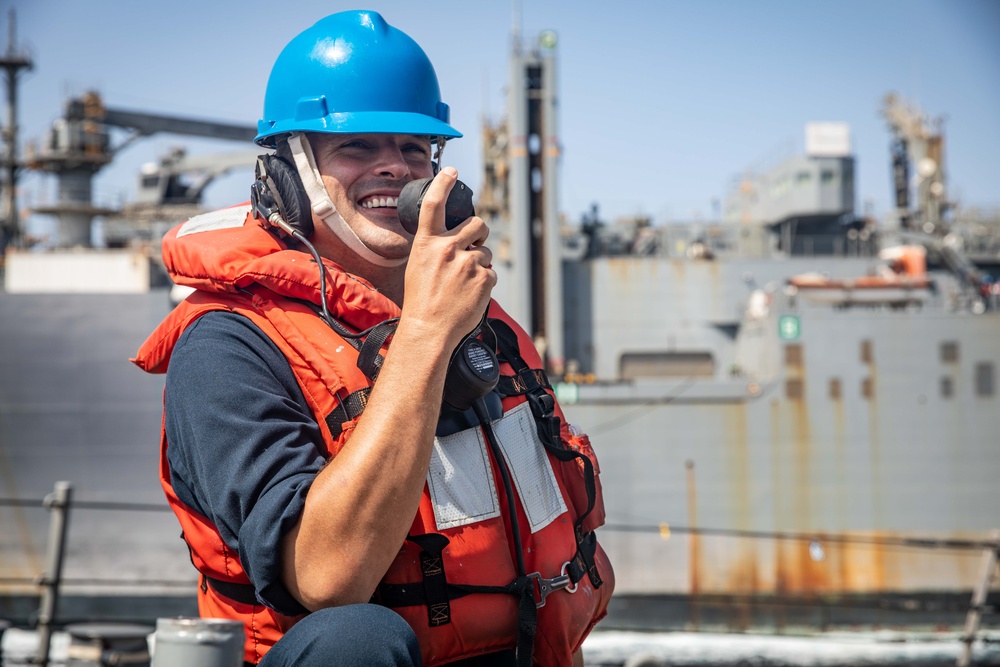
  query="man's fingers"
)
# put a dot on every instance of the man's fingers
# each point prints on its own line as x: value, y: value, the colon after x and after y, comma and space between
x: 433, y: 206
x: 473, y: 232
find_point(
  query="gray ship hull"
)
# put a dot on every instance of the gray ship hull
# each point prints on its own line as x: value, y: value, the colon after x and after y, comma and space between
x: 73, y: 408
x: 804, y: 466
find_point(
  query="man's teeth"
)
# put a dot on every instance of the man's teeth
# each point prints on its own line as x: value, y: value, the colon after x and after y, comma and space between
x: 380, y: 202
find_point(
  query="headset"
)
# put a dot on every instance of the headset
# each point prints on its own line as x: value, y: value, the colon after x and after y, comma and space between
x: 278, y: 197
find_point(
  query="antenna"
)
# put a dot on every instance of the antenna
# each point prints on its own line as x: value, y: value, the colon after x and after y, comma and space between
x: 515, y: 31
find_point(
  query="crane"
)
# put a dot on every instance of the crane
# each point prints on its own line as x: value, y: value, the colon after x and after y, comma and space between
x: 78, y: 145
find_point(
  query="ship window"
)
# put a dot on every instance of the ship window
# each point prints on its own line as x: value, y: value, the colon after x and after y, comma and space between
x: 667, y: 364
x: 835, y: 389
x: 866, y: 351
x: 984, y: 379
x: 793, y: 355
x: 949, y: 352
x: 826, y: 176
x: 867, y: 388
x: 947, y: 387
x: 794, y: 388
x: 803, y: 177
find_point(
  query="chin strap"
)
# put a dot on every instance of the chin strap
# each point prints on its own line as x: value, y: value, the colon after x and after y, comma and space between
x: 323, y: 206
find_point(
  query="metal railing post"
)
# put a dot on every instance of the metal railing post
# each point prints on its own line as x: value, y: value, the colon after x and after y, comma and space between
x: 58, y: 503
x: 987, y: 568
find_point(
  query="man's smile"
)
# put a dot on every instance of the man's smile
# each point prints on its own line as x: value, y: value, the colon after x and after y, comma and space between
x: 379, y: 201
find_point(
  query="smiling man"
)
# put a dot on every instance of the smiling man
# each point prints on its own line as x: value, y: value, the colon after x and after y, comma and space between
x: 331, y: 499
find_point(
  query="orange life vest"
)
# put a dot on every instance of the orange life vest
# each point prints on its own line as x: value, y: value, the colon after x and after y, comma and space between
x: 455, y: 579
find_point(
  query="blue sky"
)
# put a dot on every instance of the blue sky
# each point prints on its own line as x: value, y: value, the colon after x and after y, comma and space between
x: 662, y: 103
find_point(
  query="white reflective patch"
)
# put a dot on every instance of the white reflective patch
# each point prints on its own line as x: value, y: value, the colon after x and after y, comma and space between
x: 460, y: 480
x: 533, y: 477
x: 222, y: 219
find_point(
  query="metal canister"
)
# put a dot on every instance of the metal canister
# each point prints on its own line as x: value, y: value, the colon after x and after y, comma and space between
x: 198, y: 642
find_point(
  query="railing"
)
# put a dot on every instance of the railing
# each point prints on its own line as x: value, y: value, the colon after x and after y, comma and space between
x: 60, y: 501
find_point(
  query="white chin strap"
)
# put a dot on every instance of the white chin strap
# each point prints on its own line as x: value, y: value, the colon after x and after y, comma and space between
x: 322, y: 205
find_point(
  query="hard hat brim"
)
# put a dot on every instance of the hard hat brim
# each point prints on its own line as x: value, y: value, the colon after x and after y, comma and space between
x: 359, y: 122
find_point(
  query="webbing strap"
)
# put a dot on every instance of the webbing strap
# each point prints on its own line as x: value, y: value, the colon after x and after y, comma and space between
x: 349, y: 408
x: 532, y: 384
x: 369, y: 359
x: 583, y: 560
x: 242, y: 593
x: 414, y: 594
x: 525, y: 381
x: 435, y: 586
x: 527, y: 622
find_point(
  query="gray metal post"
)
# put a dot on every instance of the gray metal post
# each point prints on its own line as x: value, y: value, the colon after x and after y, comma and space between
x: 551, y: 236
x: 987, y: 568
x: 198, y: 642
x: 56, y: 502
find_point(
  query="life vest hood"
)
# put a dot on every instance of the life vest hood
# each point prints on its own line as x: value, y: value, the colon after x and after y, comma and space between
x: 227, y: 252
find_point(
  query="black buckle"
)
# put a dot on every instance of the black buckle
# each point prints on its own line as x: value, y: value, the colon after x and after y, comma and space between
x: 542, y: 405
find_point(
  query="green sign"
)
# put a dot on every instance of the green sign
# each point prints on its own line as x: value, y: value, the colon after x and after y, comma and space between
x: 568, y: 393
x: 789, y: 327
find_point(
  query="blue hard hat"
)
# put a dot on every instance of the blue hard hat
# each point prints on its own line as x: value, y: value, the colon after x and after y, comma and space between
x: 353, y: 73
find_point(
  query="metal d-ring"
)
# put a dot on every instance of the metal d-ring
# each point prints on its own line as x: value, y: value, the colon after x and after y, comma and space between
x: 563, y: 571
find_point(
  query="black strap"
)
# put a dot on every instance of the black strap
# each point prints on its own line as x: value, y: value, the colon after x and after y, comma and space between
x: 242, y: 593
x: 348, y: 409
x: 435, y: 586
x: 369, y: 359
x: 532, y: 383
x: 523, y: 382
x: 416, y: 594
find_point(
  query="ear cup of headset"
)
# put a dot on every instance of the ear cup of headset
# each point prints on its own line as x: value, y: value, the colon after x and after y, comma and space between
x: 285, y: 186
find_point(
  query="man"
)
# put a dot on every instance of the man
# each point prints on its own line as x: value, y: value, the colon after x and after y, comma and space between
x: 306, y: 489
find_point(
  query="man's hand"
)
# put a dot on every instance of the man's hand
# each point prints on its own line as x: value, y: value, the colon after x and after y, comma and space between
x: 448, y: 276
x: 360, y: 506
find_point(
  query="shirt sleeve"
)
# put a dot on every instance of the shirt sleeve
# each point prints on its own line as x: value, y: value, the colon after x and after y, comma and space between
x: 242, y: 443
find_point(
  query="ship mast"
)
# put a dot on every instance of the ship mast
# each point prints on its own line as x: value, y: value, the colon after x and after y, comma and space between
x: 14, y: 62
x: 520, y: 198
x: 917, y: 144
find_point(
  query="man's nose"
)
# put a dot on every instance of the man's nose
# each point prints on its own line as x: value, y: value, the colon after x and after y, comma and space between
x: 389, y: 162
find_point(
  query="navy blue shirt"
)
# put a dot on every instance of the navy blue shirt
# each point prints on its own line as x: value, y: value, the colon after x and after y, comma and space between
x: 243, y: 446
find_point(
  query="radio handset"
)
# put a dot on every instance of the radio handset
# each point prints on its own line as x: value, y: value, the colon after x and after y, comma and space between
x: 473, y: 371
x: 457, y: 209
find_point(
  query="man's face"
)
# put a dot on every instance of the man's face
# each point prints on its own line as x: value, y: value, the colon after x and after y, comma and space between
x: 364, y: 174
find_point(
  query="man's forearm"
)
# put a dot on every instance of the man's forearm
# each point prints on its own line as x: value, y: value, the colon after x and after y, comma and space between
x: 361, y: 506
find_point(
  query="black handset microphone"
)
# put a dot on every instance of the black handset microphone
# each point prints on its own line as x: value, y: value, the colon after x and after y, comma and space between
x: 457, y: 209
x: 473, y: 371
